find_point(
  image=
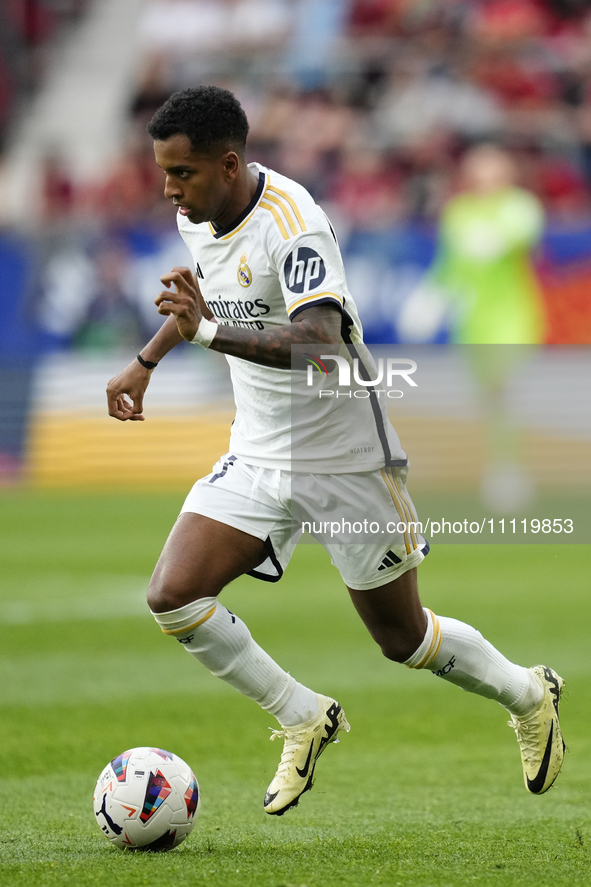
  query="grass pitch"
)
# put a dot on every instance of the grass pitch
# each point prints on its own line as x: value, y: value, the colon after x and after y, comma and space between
x: 426, y: 790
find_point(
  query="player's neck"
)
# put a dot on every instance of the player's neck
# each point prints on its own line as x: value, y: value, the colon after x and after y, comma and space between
x: 246, y: 184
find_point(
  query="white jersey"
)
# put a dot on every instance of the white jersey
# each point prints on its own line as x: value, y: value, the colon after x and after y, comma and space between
x: 279, y: 257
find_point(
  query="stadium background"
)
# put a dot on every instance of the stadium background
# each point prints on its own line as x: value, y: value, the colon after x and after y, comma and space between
x: 370, y: 104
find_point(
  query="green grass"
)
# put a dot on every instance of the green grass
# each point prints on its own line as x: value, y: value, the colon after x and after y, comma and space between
x: 425, y: 790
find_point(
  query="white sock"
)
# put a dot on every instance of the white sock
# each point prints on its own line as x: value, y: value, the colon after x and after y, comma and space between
x: 223, y: 644
x: 459, y: 654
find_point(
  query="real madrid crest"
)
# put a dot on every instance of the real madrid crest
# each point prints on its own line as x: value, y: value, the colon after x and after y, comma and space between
x: 244, y: 272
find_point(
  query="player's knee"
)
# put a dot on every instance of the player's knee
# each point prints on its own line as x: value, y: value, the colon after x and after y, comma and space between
x: 164, y: 595
x: 160, y: 599
x: 397, y: 647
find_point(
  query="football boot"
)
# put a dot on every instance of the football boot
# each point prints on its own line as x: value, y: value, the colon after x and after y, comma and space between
x: 303, y: 745
x: 539, y: 735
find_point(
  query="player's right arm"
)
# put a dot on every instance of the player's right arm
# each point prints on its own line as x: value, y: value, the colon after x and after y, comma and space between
x: 131, y: 383
x: 135, y: 378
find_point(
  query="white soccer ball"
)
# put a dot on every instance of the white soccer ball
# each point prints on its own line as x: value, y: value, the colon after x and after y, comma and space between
x: 147, y: 799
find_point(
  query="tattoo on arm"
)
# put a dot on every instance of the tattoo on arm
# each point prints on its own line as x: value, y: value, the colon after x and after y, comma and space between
x: 272, y: 347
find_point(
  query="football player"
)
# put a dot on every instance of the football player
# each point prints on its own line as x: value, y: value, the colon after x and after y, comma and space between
x: 267, y: 275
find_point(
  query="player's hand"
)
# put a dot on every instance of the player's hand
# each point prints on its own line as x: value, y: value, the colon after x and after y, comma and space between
x: 183, y: 302
x: 132, y: 381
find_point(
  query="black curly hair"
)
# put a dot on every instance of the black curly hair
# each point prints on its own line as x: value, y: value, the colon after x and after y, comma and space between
x: 209, y: 116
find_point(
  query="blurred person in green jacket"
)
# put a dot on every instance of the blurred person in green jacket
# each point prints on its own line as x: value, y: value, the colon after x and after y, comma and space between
x: 486, y: 236
x: 483, y: 282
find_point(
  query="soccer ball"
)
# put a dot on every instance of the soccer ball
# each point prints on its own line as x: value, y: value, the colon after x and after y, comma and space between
x: 147, y: 799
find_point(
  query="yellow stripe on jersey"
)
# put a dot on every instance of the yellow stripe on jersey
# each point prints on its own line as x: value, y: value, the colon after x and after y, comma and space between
x: 398, y: 506
x: 235, y: 231
x: 283, y: 207
x: 277, y: 218
x: 314, y: 298
x: 189, y: 627
x: 241, y: 225
x: 433, y: 646
x: 291, y: 202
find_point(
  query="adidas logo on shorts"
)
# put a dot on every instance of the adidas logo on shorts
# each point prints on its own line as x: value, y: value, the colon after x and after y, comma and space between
x: 389, y: 561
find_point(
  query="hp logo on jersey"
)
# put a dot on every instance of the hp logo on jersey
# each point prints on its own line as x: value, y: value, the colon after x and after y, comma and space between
x: 304, y: 270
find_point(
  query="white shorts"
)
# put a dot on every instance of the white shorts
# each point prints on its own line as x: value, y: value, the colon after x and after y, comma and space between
x: 365, y: 521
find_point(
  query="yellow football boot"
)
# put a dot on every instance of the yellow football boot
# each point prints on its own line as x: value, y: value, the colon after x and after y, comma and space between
x: 539, y: 735
x: 303, y: 745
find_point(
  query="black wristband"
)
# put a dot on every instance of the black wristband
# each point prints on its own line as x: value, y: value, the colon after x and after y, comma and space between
x: 148, y: 364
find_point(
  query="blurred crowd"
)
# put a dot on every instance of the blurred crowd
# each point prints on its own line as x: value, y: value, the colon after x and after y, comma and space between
x: 373, y: 105
x: 26, y: 30
x: 389, y: 111
x: 369, y: 103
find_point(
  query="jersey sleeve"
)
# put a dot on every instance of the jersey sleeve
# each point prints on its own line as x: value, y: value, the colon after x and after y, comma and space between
x: 309, y: 266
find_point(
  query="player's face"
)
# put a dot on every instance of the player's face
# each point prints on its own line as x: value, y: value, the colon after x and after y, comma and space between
x: 199, y: 184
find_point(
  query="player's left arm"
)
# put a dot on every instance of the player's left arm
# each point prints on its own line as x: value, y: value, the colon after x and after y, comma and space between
x: 320, y: 324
